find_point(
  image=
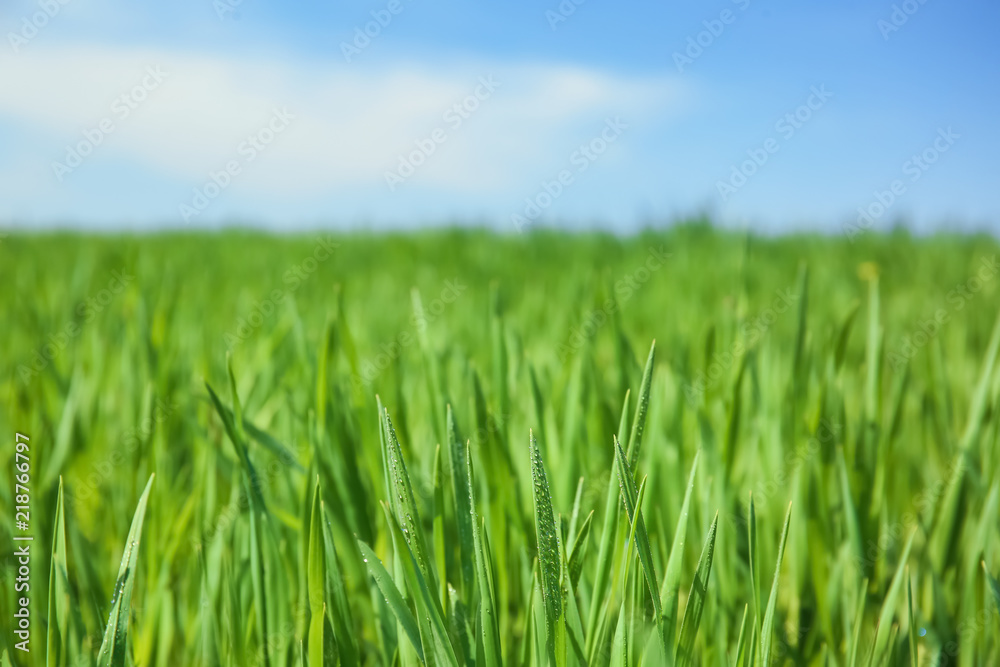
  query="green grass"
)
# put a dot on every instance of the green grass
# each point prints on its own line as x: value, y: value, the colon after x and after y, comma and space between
x: 456, y: 448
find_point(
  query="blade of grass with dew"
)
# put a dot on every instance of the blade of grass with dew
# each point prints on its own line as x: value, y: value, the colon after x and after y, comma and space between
x: 641, y: 408
x: 457, y: 454
x: 633, y: 511
x: 697, y: 597
x: 547, y: 540
x: 437, y: 526
x: 767, y: 627
x: 670, y: 592
x: 114, y: 647
x: 427, y: 605
x: 484, y: 578
x: 393, y: 598
x: 405, y: 506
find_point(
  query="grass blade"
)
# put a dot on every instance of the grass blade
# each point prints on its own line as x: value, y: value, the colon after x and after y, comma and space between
x: 114, y: 647
x: 484, y: 578
x: 406, y: 513
x: 393, y: 598
x: 670, y: 593
x: 909, y: 619
x: 320, y: 645
x: 696, y: 600
x: 58, y: 614
x: 609, y: 531
x: 426, y: 604
x: 742, y: 639
x: 889, y: 604
x: 548, y: 557
x: 633, y: 510
x: 767, y: 627
x: 343, y: 623
x: 457, y: 455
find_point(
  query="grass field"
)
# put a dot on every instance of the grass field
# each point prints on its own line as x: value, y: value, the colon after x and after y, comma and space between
x: 460, y: 448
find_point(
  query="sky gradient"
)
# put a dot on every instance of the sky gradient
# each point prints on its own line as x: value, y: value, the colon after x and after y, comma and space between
x: 775, y: 115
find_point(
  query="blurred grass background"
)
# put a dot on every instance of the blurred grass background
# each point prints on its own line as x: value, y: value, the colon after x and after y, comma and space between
x: 107, y: 342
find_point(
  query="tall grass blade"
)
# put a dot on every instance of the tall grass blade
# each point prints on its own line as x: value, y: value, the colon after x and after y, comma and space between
x: 484, y: 578
x: 114, y: 647
x: 670, y: 592
x: 885, y: 617
x: 547, y: 540
x: 767, y: 627
x: 697, y: 597
x: 56, y: 654
x: 393, y: 598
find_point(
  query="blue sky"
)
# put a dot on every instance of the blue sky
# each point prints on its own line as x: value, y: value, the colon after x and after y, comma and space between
x: 199, y: 113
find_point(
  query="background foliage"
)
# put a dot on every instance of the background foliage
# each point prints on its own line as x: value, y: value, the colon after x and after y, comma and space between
x: 854, y: 381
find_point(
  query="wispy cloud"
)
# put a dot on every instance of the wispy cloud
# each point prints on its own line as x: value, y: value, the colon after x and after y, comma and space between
x: 351, y: 124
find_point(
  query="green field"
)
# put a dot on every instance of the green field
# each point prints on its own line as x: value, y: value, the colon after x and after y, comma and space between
x: 460, y: 448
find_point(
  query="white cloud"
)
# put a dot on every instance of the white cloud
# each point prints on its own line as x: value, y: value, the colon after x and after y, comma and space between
x: 351, y: 122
